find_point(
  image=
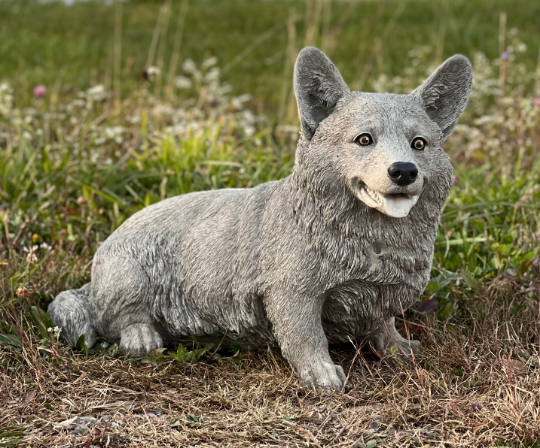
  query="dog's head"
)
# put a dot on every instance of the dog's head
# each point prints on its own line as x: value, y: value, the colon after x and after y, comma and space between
x: 384, y: 147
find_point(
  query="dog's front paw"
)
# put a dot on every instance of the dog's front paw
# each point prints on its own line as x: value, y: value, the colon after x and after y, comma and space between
x: 322, y: 375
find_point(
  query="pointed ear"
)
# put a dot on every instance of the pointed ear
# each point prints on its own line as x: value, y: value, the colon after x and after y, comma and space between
x: 445, y: 93
x: 318, y: 87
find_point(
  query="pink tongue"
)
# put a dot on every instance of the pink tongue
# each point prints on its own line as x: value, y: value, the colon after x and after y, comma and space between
x: 396, y: 206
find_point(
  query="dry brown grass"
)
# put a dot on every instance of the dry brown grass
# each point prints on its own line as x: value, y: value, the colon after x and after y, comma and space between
x: 475, y: 383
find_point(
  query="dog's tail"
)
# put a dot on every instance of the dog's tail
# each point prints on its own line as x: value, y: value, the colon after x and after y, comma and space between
x: 71, y: 312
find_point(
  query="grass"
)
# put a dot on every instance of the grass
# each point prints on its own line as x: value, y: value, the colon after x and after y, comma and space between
x: 79, y: 161
x: 57, y: 46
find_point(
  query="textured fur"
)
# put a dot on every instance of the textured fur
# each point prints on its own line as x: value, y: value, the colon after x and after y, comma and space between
x: 294, y: 263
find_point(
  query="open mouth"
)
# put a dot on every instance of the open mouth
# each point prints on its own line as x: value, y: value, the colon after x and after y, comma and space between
x: 394, y: 205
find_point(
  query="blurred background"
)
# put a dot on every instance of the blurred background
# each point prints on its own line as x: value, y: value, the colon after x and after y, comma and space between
x: 75, y: 45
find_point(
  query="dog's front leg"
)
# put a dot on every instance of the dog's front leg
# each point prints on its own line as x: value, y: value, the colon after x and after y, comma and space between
x: 300, y: 335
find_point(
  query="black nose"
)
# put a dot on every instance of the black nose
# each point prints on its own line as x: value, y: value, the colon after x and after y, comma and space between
x: 403, y: 173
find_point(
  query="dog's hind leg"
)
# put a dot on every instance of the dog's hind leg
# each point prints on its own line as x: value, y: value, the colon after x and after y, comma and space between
x: 388, y: 340
x: 71, y: 311
x: 125, y: 303
x: 140, y: 339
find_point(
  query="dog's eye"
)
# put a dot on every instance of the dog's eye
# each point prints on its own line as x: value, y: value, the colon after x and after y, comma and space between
x: 363, y: 140
x: 418, y: 143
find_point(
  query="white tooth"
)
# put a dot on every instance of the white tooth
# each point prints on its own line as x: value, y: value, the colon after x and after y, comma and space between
x: 369, y: 197
x: 392, y: 205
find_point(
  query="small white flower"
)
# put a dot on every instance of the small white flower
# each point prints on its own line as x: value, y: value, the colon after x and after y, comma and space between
x: 189, y: 66
x: 153, y: 71
x: 207, y: 63
x: 237, y: 104
x: 56, y: 332
x: 97, y: 93
x: 134, y: 119
x: 31, y: 258
x: 6, y: 98
x: 184, y: 83
x: 249, y: 130
x: 212, y: 75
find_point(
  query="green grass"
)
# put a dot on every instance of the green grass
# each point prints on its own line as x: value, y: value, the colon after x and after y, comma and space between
x: 61, y: 46
x: 73, y: 168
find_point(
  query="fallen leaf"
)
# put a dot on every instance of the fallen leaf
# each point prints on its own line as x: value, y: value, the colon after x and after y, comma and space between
x: 513, y: 366
x: 29, y: 397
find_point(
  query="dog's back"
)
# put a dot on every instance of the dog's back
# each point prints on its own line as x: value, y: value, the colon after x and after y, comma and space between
x: 198, y: 255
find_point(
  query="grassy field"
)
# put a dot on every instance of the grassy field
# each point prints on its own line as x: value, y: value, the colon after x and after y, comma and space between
x: 60, y: 47
x: 103, y: 142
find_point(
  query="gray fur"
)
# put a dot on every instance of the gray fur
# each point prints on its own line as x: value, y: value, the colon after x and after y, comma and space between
x: 442, y: 93
x: 296, y: 263
x: 318, y: 86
